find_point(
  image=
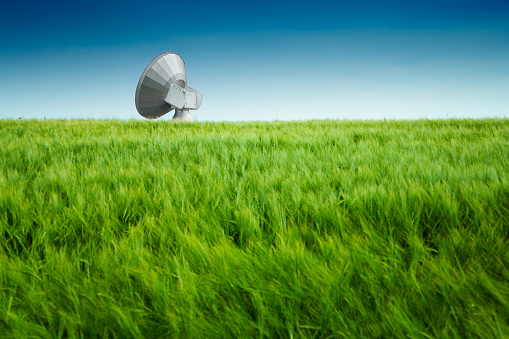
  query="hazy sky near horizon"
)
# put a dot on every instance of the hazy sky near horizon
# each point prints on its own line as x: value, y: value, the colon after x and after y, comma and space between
x: 260, y: 60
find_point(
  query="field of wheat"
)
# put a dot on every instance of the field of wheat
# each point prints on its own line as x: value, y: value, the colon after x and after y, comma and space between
x: 321, y: 229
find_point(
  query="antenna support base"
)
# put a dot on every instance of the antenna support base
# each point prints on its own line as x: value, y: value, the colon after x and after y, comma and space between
x: 182, y: 115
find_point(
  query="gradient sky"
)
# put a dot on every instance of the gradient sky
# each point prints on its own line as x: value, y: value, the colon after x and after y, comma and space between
x: 260, y: 60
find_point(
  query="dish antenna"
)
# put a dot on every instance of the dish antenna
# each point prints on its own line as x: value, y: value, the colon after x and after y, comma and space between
x: 163, y: 87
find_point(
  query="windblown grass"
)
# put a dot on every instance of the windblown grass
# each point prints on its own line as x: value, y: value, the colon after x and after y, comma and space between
x: 280, y: 229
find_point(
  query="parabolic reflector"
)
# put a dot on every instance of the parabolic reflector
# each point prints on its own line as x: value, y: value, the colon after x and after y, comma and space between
x: 163, y: 87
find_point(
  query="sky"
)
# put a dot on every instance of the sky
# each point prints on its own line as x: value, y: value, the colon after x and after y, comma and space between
x: 259, y: 60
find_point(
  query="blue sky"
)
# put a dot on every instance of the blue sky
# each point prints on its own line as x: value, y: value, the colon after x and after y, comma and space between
x: 260, y: 60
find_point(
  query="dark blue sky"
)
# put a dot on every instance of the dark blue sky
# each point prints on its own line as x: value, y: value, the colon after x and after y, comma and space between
x: 260, y: 59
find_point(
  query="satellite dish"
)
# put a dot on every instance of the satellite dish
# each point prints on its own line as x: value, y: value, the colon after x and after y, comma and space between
x: 163, y: 87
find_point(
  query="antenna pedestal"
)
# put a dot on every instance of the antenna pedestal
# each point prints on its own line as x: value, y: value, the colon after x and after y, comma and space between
x: 182, y: 115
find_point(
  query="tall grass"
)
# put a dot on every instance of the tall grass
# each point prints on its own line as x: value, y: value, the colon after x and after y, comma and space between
x: 281, y: 229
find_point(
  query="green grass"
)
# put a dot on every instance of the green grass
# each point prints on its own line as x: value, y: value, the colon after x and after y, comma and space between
x: 281, y: 229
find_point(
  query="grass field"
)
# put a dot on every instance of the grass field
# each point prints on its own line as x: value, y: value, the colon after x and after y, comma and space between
x: 270, y: 229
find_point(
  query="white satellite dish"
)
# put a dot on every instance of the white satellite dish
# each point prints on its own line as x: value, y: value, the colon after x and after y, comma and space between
x: 163, y: 87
